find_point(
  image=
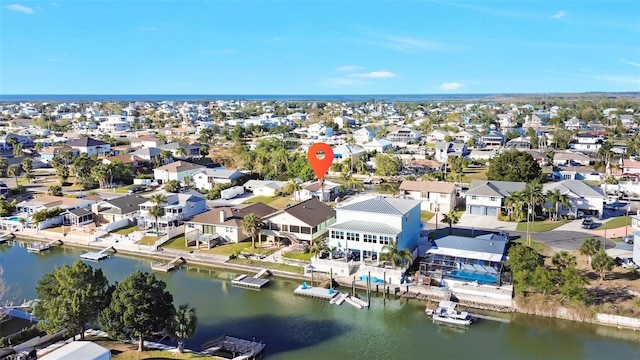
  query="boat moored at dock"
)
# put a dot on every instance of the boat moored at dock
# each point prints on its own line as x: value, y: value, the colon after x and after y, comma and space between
x: 446, y: 313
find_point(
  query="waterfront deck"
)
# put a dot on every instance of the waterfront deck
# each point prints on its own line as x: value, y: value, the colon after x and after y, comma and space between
x: 315, y: 292
x: 255, y: 282
x: 234, y: 347
x: 36, y: 247
x: 97, y: 256
x: 6, y: 236
x: 166, y: 267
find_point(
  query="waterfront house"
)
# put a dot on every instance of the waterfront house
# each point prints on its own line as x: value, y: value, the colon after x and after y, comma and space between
x: 177, y: 208
x: 207, y: 179
x: 177, y: 170
x: 343, y: 152
x: 90, y: 146
x: 226, y: 222
x: 460, y: 259
x: 121, y: 208
x: 305, y: 221
x: 27, y: 208
x: 486, y: 197
x: 435, y: 196
x: 366, y: 224
x: 582, y: 197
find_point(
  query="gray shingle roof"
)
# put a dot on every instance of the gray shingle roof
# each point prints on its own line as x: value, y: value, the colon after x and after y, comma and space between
x: 494, y: 188
x: 362, y: 226
x: 383, y: 205
x: 575, y: 187
x: 128, y: 203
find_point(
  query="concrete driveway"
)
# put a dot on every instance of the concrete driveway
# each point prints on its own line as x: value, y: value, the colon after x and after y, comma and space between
x: 484, y: 222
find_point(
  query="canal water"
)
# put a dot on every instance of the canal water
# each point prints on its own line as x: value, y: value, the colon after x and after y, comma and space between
x: 295, y: 327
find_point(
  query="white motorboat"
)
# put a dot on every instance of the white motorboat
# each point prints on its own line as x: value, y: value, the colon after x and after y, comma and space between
x: 446, y: 313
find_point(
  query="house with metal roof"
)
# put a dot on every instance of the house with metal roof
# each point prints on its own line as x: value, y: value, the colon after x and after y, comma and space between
x: 177, y: 208
x: 85, y: 350
x: 305, y: 221
x: 264, y: 187
x: 435, y: 196
x: 325, y: 191
x: 582, y: 197
x: 486, y: 197
x: 206, y: 179
x: 460, y: 259
x: 367, y: 224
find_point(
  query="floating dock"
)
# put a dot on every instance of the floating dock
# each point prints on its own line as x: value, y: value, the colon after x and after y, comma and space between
x: 97, y: 256
x: 37, y: 247
x: 255, y: 282
x: 234, y: 347
x: 166, y: 267
x: 315, y: 292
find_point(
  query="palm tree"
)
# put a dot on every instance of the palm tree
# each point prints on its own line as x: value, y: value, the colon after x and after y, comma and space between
x: 557, y: 199
x: 4, y: 165
x: 534, y: 197
x: 293, y: 187
x: 14, y: 170
x: 17, y: 149
x: 451, y: 218
x: 181, y: 152
x: 590, y: 247
x: 54, y: 190
x: 156, y: 210
x: 602, y: 263
x: 563, y: 260
x: 390, y: 252
x: 27, y: 165
x: 514, y: 203
x: 251, y: 225
x: 318, y: 246
x: 184, y: 324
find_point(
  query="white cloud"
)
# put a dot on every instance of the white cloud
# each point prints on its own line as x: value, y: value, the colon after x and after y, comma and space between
x: 449, y: 86
x: 349, y: 68
x: 559, y: 14
x: 20, y: 8
x: 625, y: 61
x: 374, y: 75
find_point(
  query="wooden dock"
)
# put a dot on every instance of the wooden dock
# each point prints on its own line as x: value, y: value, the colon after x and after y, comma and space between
x: 166, y: 267
x: 36, y: 247
x: 315, y: 292
x: 255, y: 282
x: 97, y: 256
x: 6, y: 236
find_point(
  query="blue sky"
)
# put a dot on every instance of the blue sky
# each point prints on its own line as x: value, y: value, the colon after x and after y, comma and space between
x: 318, y: 47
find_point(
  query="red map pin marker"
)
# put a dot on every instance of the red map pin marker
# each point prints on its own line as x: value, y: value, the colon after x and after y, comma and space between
x: 320, y: 156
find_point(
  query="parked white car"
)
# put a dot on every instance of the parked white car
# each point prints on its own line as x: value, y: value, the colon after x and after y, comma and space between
x: 628, y: 263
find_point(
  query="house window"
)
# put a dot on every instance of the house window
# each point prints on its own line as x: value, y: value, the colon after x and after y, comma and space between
x: 337, y: 234
x: 229, y: 230
x: 442, y: 196
x: 473, y: 197
x: 369, y: 238
x: 285, y: 227
x: 274, y: 226
x: 351, y: 236
x: 492, y: 199
x: 305, y: 230
x: 208, y: 229
x: 315, y: 229
x: 424, y: 194
x: 191, y: 225
x: 384, y: 240
x: 294, y: 228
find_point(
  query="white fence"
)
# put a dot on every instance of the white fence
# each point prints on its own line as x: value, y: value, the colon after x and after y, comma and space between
x: 390, y: 275
x: 115, y: 225
x: 169, y: 234
x: 339, y: 267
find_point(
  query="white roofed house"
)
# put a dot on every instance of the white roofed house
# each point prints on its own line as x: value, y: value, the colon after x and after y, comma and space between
x: 343, y: 152
x: 367, y: 224
x: 492, y: 140
x: 177, y: 170
x: 264, y: 187
x: 435, y: 196
x: 114, y: 125
x: 364, y: 135
x: 177, y: 208
x: 378, y: 145
x: 582, y: 197
x: 404, y: 135
x: 26, y: 209
x: 318, y: 129
x: 328, y: 191
x: 587, y: 143
x: 574, y: 124
x: 90, y: 146
x: 206, y: 179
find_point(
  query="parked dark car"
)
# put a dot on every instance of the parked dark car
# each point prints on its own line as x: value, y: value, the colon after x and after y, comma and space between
x: 587, y: 224
x: 136, y: 189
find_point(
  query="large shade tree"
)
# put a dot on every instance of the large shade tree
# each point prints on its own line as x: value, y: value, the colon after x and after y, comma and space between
x: 70, y: 298
x: 140, y: 308
x: 514, y: 165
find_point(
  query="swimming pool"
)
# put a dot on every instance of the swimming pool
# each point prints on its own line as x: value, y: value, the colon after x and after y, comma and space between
x: 13, y: 218
x: 153, y: 232
x: 481, y: 278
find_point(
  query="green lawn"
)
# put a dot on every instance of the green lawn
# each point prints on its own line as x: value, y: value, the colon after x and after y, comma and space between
x: 268, y: 265
x: 300, y: 256
x: 539, y: 247
x: 426, y: 215
x: 148, y: 240
x: 262, y: 199
x: 475, y: 173
x: 125, y: 230
x: 617, y: 222
x: 540, y: 226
